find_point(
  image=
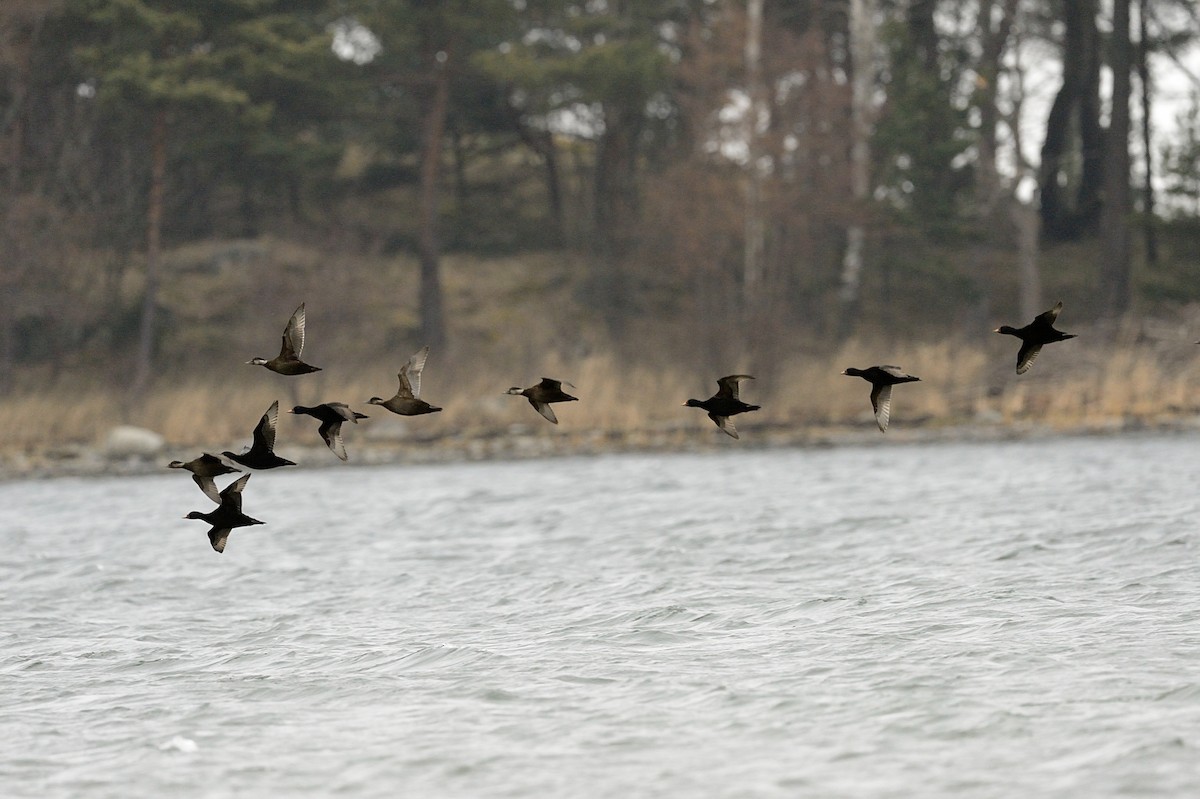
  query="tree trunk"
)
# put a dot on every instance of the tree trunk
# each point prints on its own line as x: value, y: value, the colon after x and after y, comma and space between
x: 614, y: 194
x: 1076, y: 108
x: 433, y: 326
x: 542, y: 143
x: 1116, y: 262
x: 862, y: 56
x: 147, y: 332
x: 1029, y: 280
x: 995, y: 43
x: 1148, y: 220
x: 753, y: 233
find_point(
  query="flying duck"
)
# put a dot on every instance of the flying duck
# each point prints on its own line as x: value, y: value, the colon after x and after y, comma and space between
x: 331, y: 415
x: 1035, y: 335
x: 725, y: 403
x: 881, y: 378
x: 407, y: 402
x: 227, y: 515
x: 288, y: 362
x: 203, y: 470
x: 261, y: 454
x: 541, y: 395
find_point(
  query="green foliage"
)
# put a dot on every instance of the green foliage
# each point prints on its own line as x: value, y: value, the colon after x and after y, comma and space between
x: 919, y: 136
x: 1181, y: 164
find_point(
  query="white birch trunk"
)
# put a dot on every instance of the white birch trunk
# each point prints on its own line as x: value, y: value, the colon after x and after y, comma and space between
x: 754, y: 229
x: 862, y: 62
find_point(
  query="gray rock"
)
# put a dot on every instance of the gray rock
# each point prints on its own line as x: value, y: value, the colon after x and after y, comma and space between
x: 125, y: 440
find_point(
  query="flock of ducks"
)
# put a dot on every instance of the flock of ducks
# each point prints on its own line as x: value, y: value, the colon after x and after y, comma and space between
x: 721, y: 407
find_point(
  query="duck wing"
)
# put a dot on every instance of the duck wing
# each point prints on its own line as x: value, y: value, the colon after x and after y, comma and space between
x: 1026, y: 356
x: 208, y: 487
x: 544, y: 409
x: 1047, y: 318
x: 264, y: 433
x: 293, y: 335
x: 343, y: 410
x: 217, y: 536
x: 896, y: 372
x: 728, y: 386
x: 410, y: 375
x: 332, y: 433
x: 211, y: 464
x: 550, y: 384
x: 231, y: 495
x: 724, y: 423
x: 881, y: 401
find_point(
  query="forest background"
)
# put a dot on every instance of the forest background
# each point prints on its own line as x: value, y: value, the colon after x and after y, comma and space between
x: 637, y: 197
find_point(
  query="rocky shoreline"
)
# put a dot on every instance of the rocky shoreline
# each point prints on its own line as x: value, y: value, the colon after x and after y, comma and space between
x: 136, y: 451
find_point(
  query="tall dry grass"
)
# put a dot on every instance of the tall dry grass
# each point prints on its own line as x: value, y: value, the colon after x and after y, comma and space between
x: 514, y: 320
x: 1074, y: 384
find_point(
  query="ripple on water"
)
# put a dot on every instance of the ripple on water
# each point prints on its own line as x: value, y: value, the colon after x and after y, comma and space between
x: 880, y: 622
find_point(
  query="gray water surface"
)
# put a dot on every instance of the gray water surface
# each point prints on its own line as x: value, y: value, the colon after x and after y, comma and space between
x: 950, y: 620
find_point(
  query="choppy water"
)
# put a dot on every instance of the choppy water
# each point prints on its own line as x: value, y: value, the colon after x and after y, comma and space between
x: 968, y: 620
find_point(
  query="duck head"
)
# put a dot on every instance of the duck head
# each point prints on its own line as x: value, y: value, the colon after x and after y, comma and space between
x: 257, y: 361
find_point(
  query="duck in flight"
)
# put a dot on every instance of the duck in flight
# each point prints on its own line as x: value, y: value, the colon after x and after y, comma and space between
x: 331, y: 415
x: 203, y: 470
x: 542, y: 394
x: 261, y: 454
x: 1035, y: 335
x: 881, y: 378
x: 288, y: 362
x: 227, y: 516
x: 725, y: 403
x: 407, y: 401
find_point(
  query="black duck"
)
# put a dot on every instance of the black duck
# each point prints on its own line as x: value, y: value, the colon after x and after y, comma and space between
x: 288, y: 362
x: 407, y: 401
x: 725, y: 403
x: 541, y: 395
x: 203, y: 470
x: 227, y: 515
x: 331, y: 415
x: 1035, y: 335
x: 881, y: 378
x: 261, y: 454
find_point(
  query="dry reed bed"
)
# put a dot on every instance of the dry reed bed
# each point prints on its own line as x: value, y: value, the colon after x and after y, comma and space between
x: 1073, y: 385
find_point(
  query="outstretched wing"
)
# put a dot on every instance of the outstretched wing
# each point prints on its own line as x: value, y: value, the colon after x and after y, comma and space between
x: 217, y: 536
x: 725, y: 423
x: 208, y: 487
x: 293, y: 334
x: 343, y: 410
x: 1049, y: 316
x: 881, y: 401
x: 1026, y: 355
x: 264, y: 433
x: 728, y: 385
x: 332, y: 433
x: 544, y: 409
x: 550, y: 384
x: 410, y: 375
x: 231, y: 495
